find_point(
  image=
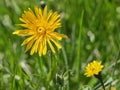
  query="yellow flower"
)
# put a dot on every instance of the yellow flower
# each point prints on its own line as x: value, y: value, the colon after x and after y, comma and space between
x: 93, y: 68
x: 39, y: 29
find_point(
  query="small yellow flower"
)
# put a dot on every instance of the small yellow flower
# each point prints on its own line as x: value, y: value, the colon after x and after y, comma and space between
x: 93, y: 68
x: 39, y: 30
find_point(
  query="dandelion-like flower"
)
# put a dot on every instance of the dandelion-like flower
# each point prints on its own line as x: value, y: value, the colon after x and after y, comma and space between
x: 39, y: 30
x: 93, y: 68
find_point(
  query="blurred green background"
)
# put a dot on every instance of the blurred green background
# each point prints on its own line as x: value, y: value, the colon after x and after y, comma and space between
x: 95, y: 36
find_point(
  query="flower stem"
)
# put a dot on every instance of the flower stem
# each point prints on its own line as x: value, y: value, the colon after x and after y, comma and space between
x: 67, y: 67
x: 99, y: 77
x: 102, y: 84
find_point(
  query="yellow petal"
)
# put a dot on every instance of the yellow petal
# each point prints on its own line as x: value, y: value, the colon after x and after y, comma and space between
x: 40, y: 49
x: 44, y: 47
x: 38, y: 12
x: 51, y: 46
x: 28, y: 26
x: 54, y: 20
x: 29, y: 45
x: 22, y: 20
x: 55, y: 16
x: 57, y: 35
x: 56, y: 43
x: 54, y: 26
x: 45, y: 12
x: 28, y: 17
x: 25, y: 32
x: 35, y: 46
x: 28, y: 40
x: 49, y: 15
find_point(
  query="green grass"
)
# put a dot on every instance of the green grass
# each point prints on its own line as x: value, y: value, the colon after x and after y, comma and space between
x: 93, y: 28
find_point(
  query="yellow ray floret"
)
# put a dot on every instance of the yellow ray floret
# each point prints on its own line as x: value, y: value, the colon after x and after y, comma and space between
x: 93, y: 68
x: 39, y: 30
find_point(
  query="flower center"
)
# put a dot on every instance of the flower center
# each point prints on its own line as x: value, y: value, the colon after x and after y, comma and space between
x: 93, y: 69
x: 41, y: 30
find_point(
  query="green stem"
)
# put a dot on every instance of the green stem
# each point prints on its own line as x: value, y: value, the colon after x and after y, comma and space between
x: 41, y: 64
x: 49, y: 76
x: 116, y: 59
x: 102, y: 84
x: 99, y: 77
x: 79, y: 48
x: 52, y: 71
x: 67, y: 67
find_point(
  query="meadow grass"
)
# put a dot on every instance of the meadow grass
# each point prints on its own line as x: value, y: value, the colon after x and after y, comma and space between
x: 93, y: 30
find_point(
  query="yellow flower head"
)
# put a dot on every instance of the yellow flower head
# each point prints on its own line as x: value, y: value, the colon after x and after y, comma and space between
x: 39, y: 30
x: 93, y: 68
